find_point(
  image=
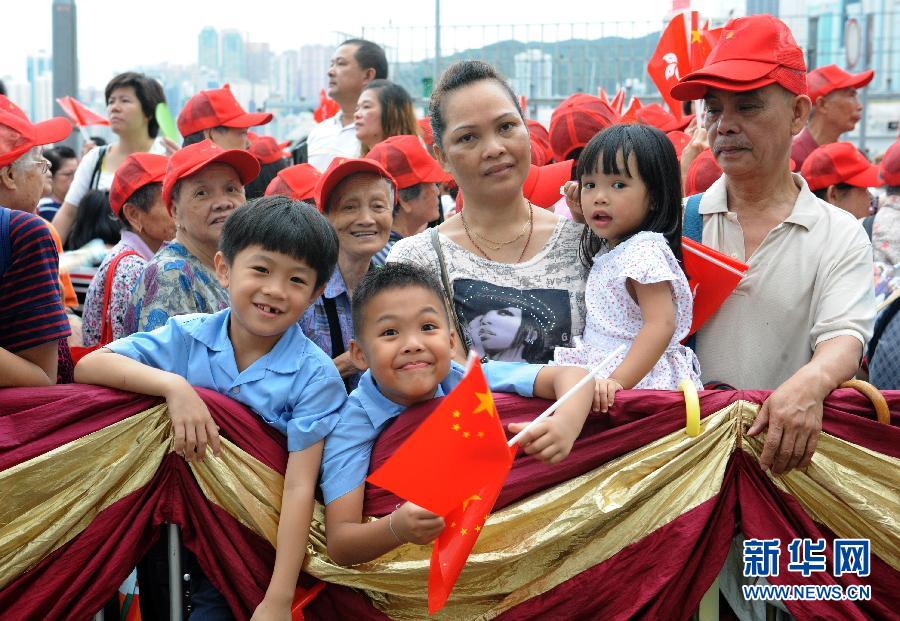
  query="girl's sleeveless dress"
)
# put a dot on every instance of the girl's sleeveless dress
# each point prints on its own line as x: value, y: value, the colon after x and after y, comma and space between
x: 614, y: 318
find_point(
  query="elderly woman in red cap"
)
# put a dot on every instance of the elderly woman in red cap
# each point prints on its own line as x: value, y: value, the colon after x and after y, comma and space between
x: 357, y: 196
x: 136, y: 200
x: 204, y: 183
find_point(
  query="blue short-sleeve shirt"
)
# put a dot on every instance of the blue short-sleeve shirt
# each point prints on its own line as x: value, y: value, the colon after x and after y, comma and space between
x: 295, y: 387
x: 367, y: 412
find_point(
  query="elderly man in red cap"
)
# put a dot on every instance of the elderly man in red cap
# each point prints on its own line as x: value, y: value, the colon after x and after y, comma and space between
x: 797, y: 322
x: 216, y: 115
x: 33, y: 322
x: 836, y: 108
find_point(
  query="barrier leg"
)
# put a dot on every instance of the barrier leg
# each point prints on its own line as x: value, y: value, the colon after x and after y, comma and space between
x: 709, y: 605
x: 175, y: 597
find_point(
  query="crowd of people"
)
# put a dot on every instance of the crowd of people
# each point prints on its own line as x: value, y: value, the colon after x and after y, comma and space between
x: 333, y: 294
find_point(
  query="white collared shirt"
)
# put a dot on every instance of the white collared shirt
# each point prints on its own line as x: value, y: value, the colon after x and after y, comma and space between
x: 330, y: 139
x: 810, y: 280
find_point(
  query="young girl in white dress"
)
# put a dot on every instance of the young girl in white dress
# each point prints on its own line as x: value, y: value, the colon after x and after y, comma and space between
x: 636, y: 293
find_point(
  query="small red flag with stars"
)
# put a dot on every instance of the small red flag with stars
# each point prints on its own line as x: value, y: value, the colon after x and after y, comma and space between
x: 454, y: 465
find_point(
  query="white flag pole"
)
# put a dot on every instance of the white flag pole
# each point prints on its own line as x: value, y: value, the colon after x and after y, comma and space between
x: 569, y: 394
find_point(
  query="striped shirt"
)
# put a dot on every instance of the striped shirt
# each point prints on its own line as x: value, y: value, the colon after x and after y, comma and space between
x: 31, y: 310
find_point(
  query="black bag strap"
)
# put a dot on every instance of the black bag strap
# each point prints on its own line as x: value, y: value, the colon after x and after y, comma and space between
x: 867, y: 223
x: 448, y: 290
x: 334, y: 327
x: 98, y: 168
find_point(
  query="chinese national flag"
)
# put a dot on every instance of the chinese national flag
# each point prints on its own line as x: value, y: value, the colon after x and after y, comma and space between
x: 81, y: 115
x: 454, y: 465
x: 618, y: 101
x: 327, y: 108
x: 630, y: 115
x: 670, y: 62
x: 712, y: 276
x: 702, y: 41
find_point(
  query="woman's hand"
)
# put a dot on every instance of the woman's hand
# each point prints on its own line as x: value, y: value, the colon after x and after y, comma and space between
x: 345, y: 365
x: 572, y: 192
x: 170, y: 146
x: 413, y: 524
x: 271, y: 610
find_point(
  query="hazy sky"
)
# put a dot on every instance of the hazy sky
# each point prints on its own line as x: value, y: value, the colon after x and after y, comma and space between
x: 115, y: 35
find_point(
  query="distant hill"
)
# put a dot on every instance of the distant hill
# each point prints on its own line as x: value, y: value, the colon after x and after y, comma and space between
x: 579, y: 65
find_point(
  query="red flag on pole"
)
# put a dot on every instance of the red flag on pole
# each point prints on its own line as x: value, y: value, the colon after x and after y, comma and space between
x: 702, y: 41
x: 454, y: 465
x: 630, y: 115
x: 712, y: 276
x: 81, y: 115
x: 603, y: 97
x: 618, y: 101
x: 327, y: 107
x: 670, y: 62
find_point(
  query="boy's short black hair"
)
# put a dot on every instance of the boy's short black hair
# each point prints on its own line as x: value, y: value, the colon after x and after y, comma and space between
x: 391, y: 276
x: 281, y: 224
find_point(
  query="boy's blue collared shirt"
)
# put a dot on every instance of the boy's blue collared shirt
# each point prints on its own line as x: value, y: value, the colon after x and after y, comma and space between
x: 295, y: 388
x: 367, y: 412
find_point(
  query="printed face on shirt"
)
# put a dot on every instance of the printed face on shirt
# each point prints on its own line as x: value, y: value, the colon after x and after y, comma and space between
x: 269, y: 292
x: 407, y: 343
x: 345, y: 77
x: 615, y: 205
x: 361, y: 213
x: 750, y: 132
x: 205, y: 200
x: 485, y: 145
x: 367, y: 118
x: 125, y: 112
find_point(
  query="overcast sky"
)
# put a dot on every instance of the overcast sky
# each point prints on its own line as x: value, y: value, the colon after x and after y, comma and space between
x: 113, y: 35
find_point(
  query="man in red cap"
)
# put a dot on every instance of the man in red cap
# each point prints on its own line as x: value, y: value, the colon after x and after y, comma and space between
x: 839, y: 174
x: 216, y: 115
x: 836, y: 108
x: 797, y: 323
x: 417, y: 175
x: 33, y: 322
x: 886, y: 227
x: 355, y: 63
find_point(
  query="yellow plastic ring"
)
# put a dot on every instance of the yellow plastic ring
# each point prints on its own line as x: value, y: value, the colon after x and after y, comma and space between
x: 691, y: 406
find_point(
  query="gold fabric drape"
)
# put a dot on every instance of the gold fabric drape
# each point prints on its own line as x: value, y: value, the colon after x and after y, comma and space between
x: 524, y: 550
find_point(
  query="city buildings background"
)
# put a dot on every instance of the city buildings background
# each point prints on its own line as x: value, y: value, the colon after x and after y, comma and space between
x: 545, y: 62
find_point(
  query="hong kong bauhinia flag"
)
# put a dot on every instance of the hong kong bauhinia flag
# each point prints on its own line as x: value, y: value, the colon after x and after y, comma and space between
x: 671, y: 61
x: 454, y: 465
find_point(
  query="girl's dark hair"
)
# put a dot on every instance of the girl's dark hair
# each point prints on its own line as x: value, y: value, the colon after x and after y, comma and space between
x: 267, y: 172
x: 458, y: 75
x: 398, y: 118
x: 148, y: 91
x: 57, y: 155
x: 94, y: 220
x: 657, y: 167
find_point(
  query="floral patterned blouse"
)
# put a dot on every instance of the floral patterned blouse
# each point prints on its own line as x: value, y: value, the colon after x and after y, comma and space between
x: 128, y: 272
x: 174, y: 282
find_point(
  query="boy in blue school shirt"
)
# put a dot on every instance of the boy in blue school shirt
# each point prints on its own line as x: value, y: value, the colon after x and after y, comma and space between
x: 275, y: 257
x: 403, y: 338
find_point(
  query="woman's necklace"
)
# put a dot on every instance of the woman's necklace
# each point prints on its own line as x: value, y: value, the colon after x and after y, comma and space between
x: 528, y: 225
x: 497, y: 245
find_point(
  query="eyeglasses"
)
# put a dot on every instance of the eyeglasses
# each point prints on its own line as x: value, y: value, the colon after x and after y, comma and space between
x: 42, y: 164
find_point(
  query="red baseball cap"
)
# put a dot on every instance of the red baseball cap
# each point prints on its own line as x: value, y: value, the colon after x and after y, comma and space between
x: 839, y: 162
x: 543, y: 183
x: 752, y: 52
x: 297, y: 182
x: 541, y: 151
x: 138, y: 170
x: 18, y: 134
x: 214, y: 108
x: 680, y: 140
x: 660, y: 118
x: 425, y: 128
x: 702, y: 173
x: 341, y: 168
x: 407, y: 161
x: 890, y: 165
x: 830, y: 78
x: 189, y: 160
x: 573, y: 125
x: 266, y: 149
